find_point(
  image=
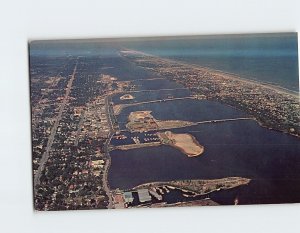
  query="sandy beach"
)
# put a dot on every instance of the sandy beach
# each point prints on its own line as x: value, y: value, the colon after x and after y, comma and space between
x: 186, y: 143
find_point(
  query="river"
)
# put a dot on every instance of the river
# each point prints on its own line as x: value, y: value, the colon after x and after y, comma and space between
x: 241, y: 148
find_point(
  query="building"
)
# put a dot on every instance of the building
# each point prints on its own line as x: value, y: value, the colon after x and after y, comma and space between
x: 128, y: 197
x: 144, y: 195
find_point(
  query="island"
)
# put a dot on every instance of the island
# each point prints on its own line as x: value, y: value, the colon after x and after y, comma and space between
x: 143, y: 121
x: 127, y: 97
x: 186, y: 143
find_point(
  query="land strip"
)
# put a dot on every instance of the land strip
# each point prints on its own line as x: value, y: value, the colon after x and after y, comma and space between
x: 135, y: 146
x: 45, y: 156
x: 273, y: 107
x: 106, y: 150
x: 143, y: 121
x: 198, y: 186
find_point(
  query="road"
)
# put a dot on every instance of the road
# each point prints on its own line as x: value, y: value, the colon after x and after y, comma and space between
x: 142, y: 79
x: 45, y: 156
x: 82, y: 116
x: 224, y: 120
x: 34, y: 108
x: 106, y: 151
x: 208, y: 122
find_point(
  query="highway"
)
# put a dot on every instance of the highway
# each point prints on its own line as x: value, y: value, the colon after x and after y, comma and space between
x: 45, y: 156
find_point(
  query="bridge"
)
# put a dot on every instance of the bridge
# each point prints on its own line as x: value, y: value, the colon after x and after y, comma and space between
x: 224, y: 120
x: 155, y: 101
x: 154, y: 90
x: 199, y: 123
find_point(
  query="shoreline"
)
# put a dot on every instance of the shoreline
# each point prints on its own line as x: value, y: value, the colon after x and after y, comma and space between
x: 220, y: 72
x: 261, y: 124
x: 183, y: 146
x: 183, y: 150
x: 236, y: 77
x: 268, y: 120
x: 198, y: 186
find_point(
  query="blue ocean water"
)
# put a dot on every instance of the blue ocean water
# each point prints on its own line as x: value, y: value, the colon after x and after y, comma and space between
x: 271, y: 58
x: 242, y: 148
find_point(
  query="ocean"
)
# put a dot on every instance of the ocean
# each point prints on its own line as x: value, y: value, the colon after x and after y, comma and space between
x: 242, y: 148
x: 270, y: 58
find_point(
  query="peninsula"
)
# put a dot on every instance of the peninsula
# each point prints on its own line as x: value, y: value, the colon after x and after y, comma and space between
x: 198, y: 186
x: 143, y: 121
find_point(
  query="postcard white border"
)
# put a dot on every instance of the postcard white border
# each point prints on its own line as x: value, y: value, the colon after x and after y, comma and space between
x: 21, y: 21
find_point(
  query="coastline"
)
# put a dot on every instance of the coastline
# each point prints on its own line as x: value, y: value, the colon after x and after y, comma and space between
x: 236, y: 77
x: 220, y: 72
x: 268, y: 104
